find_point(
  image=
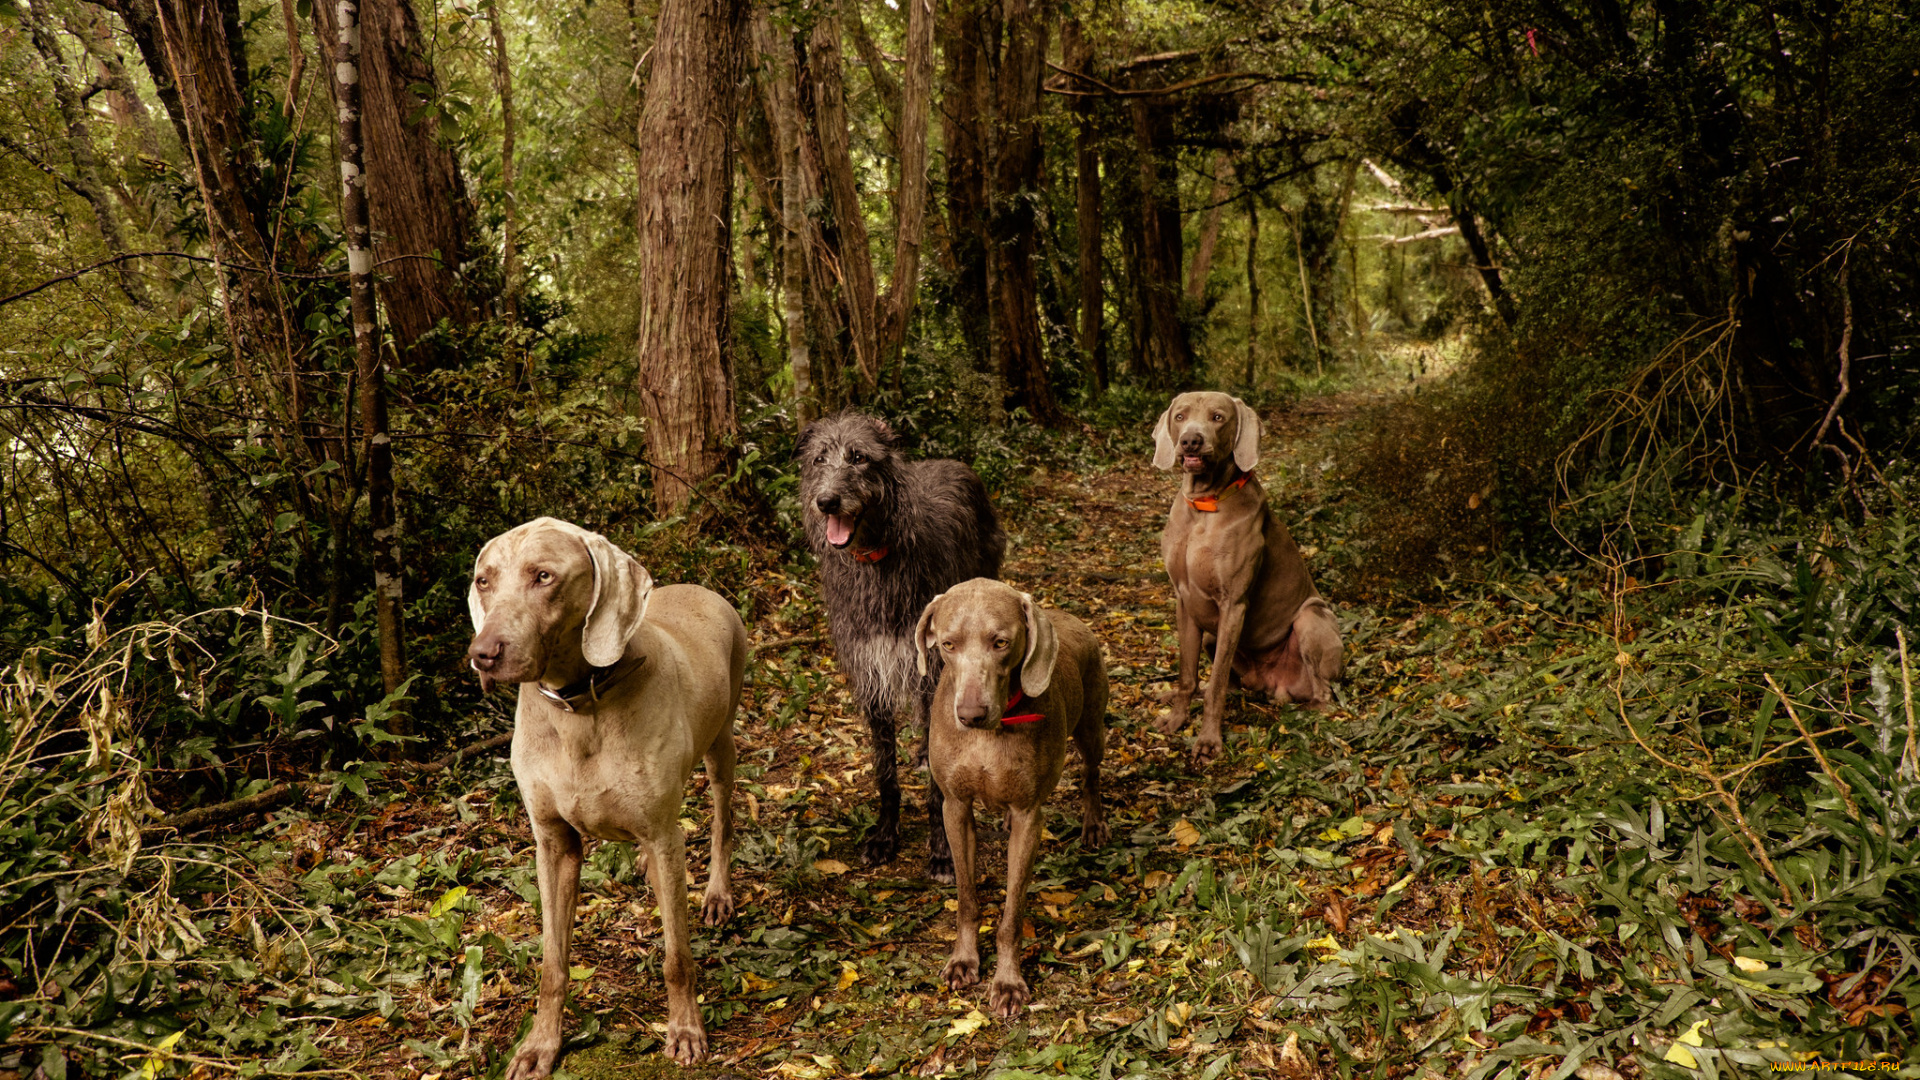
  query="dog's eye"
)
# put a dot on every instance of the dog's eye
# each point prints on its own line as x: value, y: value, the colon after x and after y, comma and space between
x: 481, y: 583
x: 821, y: 460
x: 946, y: 646
x: 1181, y: 416
x: 857, y: 458
x: 1000, y: 644
x: 1217, y: 418
x: 542, y: 577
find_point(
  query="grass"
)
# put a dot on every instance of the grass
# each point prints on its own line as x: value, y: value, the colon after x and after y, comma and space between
x: 1563, y: 821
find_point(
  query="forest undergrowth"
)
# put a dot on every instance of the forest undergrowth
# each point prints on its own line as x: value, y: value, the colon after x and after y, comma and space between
x: 1655, y: 818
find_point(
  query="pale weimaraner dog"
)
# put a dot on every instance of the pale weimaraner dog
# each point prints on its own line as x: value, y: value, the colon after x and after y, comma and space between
x: 1237, y: 574
x: 1016, y: 682
x: 623, y: 687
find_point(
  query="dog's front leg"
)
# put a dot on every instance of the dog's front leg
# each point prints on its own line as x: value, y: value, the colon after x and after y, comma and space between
x: 1180, y: 698
x: 963, y: 967
x: 939, y: 853
x: 1233, y: 618
x: 717, y: 906
x: 1009, y: 993
x: 556, y: 861
x: 667, y: 872
x: 883, y: 840
x: 1091, y: 738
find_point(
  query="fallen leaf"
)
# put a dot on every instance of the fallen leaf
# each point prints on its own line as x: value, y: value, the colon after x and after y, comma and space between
x: 580, y: 972
x: 1336, y: 915
x: 849, y: 974
x: 1156, y: 878
x: 1748, y: 963
x: 831, y: 866
x: 1179, y: 1013
x: 755, y: 982
x: 1185, y: 834
x: 1678, y: 1052
x: 1061, y: 898
x: 964, y: 1026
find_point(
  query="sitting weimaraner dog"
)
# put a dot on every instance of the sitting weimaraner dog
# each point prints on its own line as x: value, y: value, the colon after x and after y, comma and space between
x: 622, y: 688
x: 1016, y: 681
x: 1237, y: 574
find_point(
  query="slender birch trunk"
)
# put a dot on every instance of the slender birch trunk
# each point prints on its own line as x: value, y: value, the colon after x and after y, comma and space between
x: 510, y: 232
x: 369, y: 371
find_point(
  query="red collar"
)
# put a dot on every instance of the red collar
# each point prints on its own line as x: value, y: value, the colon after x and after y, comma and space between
x: 869, y: 555
x: 1023, y: 718
x: 1210, y: 504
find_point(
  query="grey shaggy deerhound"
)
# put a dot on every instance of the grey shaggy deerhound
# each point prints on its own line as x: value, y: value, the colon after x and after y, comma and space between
x: 890, y: 534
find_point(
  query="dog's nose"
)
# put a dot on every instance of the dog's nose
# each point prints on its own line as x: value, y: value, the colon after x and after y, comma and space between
x: 970, y: 715
x: 828, y: 504
x: 1190, y: 442
x: 485, y: 653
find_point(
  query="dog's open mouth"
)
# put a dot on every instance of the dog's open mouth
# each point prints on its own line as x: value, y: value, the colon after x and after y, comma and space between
x: 840, y: 529
x: 1193, y: 463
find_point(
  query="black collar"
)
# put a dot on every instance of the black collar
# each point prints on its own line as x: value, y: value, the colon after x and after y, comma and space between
x: 583, y: 694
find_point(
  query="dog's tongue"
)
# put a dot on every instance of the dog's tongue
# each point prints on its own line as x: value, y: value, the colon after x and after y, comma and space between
x: 1192, y: 462
x: 839, y: 530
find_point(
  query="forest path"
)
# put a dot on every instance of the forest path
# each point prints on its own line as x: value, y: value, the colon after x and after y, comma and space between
x: 831, y: 969
x: 1085, y: 541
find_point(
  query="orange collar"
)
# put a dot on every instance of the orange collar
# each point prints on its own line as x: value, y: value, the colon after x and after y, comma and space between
x: 1023, y: 718
x: 870, y: 555
x: 1210, y: 504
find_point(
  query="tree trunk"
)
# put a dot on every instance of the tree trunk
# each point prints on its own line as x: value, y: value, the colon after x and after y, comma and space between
x: 1015, y: 152
x: 86, y: 180
x: 1253, y: 283
x: 510, y: 231
x: 1202, y: 268
x: 1168, y: 351
x: 910, y: 223
x: 855, y: 254
x: 1078, y: 54
x: 422, y: 217
x: 685, y: 196
x: 777, y: 97
x: 370, y: 372
x: 964, y: 96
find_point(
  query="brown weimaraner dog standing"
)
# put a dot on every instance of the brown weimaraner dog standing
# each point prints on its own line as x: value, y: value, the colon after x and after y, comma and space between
x: 1016, y: 682
x: 1237, y: 574
x: 623, y: 687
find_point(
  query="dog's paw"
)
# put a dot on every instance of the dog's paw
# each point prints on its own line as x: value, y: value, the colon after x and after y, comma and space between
x: 1094, y: 833
x: 1205, y: 750
x: 1008, y: 997
x: 1170, y: 721
x: 961, y: 972
x: 535, y: 1059
x: 880, y: 846
x: 940, y: 868
x: 717, y: 908
x: 686, y: 1043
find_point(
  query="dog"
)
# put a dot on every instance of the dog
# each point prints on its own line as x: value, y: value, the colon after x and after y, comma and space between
x: 890, y: 534
x: 1017, y: 681
x: 622, y: 688
x: 1237, y: 574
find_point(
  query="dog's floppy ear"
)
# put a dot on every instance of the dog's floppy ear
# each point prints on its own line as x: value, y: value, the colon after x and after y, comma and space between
x: 923, y: 633
x: 1246, y: 442
x: 1043, y: 648
x: 475, y: 608
x: 1163, y: 441
x: 621, y: 588
x: 805, y: 445
x: 888, y: 437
